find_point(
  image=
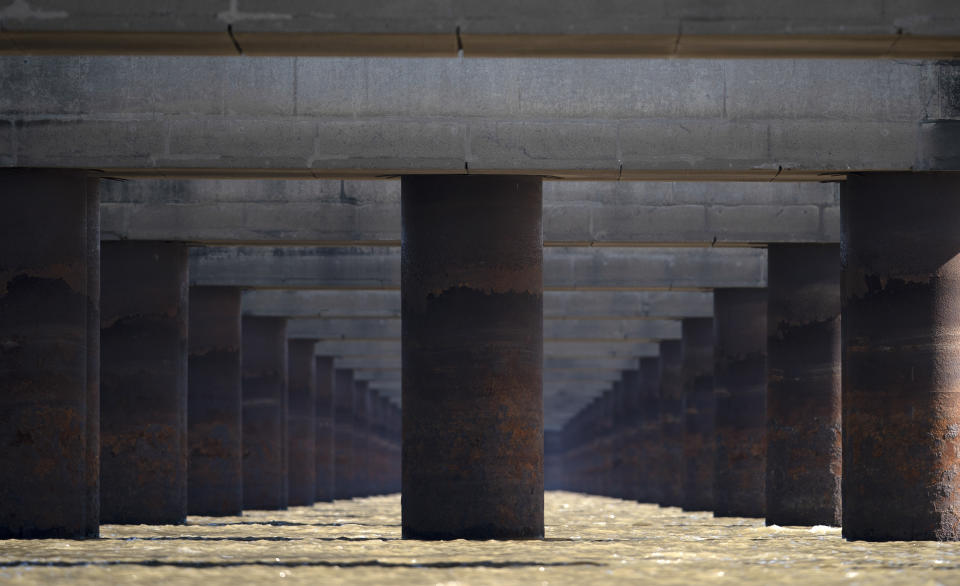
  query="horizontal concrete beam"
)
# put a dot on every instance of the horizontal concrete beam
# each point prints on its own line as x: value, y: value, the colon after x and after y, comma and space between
x: 603, y: 268
x: 586, y: 119
x: 367, y: 213
x: 641, y: 28
x: 391, y: 348
x: 550, y: 363
x: 566, y: 329
x: 556, y: 304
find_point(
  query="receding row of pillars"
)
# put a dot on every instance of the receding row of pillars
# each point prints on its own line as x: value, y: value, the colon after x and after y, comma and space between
x: 472, y: 344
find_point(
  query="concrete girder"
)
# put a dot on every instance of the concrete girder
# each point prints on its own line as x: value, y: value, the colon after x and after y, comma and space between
x: 367, y: 213
x: 635, y: 269
x: 478, y: 28
x: 556, y: 304
x: 598, y: 119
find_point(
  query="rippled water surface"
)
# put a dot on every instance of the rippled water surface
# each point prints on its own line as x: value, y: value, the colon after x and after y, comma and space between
x: 589, y: 540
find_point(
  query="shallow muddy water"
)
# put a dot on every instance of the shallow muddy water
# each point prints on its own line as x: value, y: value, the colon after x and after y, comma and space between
x: 589, y: 540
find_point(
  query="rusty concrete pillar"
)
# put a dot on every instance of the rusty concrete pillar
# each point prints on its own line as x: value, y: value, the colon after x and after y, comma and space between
x: 324, y: 466
x: 649, y: 443
x: 143, y: 383
x: 343, y: 434
x: 49, y: 354
x: 901, y: 356
x: 700, y: 410
x: 472, y: 301
x: 264, y: 413
x: 301, y: 422
x: 803, y: 385
x: 214, y: 403
x: 360, y: 458
x: 672, y: 405
x: 740, y: 388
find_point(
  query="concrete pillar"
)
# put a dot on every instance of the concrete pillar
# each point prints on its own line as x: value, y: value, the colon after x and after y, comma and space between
x: 324, y: 466
x: 264, y: 413
x: 649, y: 443
x: 49, y: 355
x: 672, y: 404
x: 552, y: 460
x: 214, y: 403
x: 375, y: 458
x: 143, y: 383
x: 901, y: 356
x: 803, y: 385
x: 360, y: 457
x: 700, y: 410
x: 634, y: 476
x: 740, y: 389
x: 301, y: 422
x: 472, y: 308
x: 396, y: 437
x: 343, y: 433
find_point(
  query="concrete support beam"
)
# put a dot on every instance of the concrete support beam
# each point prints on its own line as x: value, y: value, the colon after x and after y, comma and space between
x: 804, y: 431
x: 214, y: 403
x: 446, y: 116
x: 699, y: 414
x: 301, y: 422
x: 265, y: 453
x: 472, y: 287
x: 343, y: 433
x: 593, y: 269
x: 367, y: 213
x: 740, y: 390
x: 556, y: 304
x: 672, y: 415
x: 49, y: 355
x: 143, y: 383
x: 901, y: 411
x: 325, y: 469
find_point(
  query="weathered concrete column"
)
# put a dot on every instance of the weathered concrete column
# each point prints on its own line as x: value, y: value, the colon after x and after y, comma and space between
x: 608, y: 450
x: 803, y: 385
x: 472, y: 308
x: 699, y: 450
x: 324, y: 466
x: 633, y: 476
x: 214, y: 403
x: 901, y: 356
x: 740, y: 388
x: 49, y: 355
x: 672, y: 421
x: 375, y: 459
x: 553, y: 460
x: 396, y: 439
x: 649, y: 442
x: 361, y: 441
x: 143, y: 384
x: 264, y: 413
x: 343, y: 433
x: 301, y: 422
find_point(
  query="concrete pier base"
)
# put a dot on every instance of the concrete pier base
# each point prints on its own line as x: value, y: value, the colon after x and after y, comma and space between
x: 49, y: 355
x: 671, y: 422
x: 264, y: 413
x: 343, y: 433
x: 740, y: 388
x: 143, y: 385
x: 214, y: 403
x: 324, y: 465
x: 901, y: 356
x: 472, y: 309
x: 699, y: 412
x: 803, y: 385
x: 301, y: 422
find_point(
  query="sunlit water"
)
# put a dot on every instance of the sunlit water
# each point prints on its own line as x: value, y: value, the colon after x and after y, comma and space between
x: 589, y: 540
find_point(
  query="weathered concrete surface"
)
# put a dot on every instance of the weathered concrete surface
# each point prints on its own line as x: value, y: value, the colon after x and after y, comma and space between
x: 640, y: 119
x: 559, y: 329
x: 556, y: 304
x: 672, y: 415
x: 364, y: 213
x: 49, y: 355
x: 214, y: 403
x: 301, y: 422
x: 343, y: 434
x: 325, y: 446
x: 143, y: 383
x: 699, y: 414
x: 626, y: 269
x: 680, y: 28
x: 473, y: 332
